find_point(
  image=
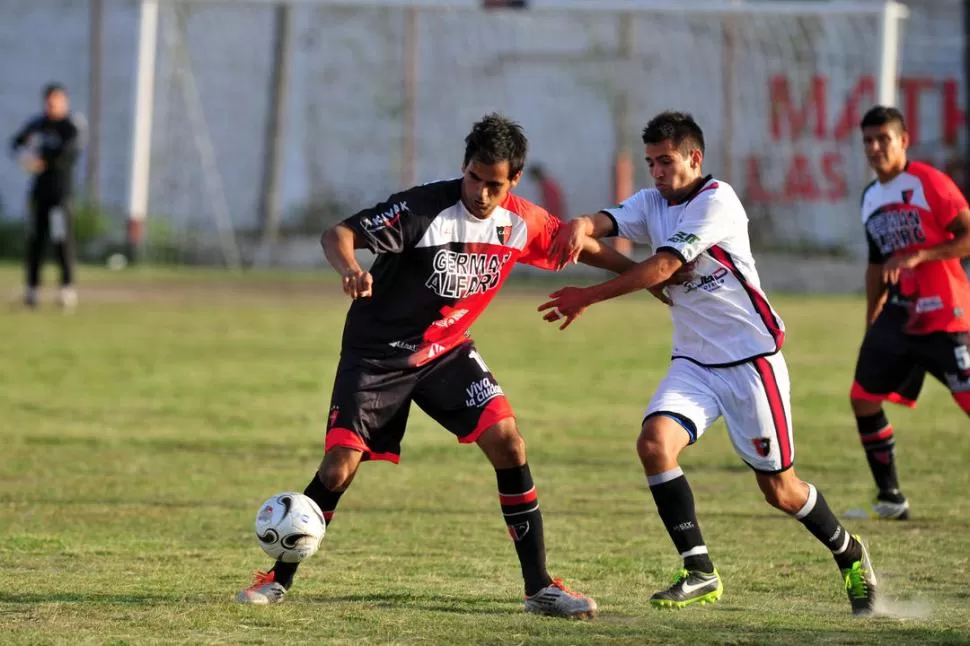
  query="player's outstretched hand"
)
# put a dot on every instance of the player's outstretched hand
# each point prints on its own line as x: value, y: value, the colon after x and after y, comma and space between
x: 567, y: 303
x: 898, y: 264
x: 568, y: 243
x: 358, y: 284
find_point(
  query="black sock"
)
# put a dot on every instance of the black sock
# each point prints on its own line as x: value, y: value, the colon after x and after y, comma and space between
x: 675, y: 504
x: 876, y: 434
x: 817, y: 518
x: 520, y: 507
x: 327, y: 501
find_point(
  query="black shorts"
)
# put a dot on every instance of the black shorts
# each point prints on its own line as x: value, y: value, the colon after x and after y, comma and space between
x: 892, y: 364
x: 370, y: 402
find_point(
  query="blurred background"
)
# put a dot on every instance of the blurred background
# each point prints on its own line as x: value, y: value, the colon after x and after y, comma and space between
x: 232, y: 132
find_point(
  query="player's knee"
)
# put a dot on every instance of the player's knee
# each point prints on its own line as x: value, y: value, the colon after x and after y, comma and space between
x: 654, y: 444
x: 864, y: 407
x: 503, y: 444
x: 336, y: 473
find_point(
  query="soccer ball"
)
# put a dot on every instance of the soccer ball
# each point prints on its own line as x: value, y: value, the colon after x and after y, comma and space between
x: 290, y: 527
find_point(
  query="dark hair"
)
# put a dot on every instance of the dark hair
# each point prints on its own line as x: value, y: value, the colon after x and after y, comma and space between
x: 495, y: 139
x: 51, y: 88
x: 882, y: 115
x: 679, y: 127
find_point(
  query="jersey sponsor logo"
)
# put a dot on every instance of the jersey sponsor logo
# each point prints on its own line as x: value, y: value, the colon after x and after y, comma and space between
x: 401, y: 345
x: 709, y: 283
x: 896, y: 229
x: 332, y: 418
x: 435, y: 349
x: 683, y: 237
x: 504, y: 233
x: 929, y: 304
x: 384, y: 219
x: 459, y: 274
x: 451, y: 319
x: 482, y: 391
x: 907, y: 196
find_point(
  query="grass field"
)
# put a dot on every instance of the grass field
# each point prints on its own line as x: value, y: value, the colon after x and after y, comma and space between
x: 140, y: 434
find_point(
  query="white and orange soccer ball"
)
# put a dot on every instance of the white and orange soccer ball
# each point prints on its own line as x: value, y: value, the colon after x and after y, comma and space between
x: 290, y: 527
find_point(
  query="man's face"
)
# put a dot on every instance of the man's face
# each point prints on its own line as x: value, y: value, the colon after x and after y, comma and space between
x: 56, y: 105
x: 885, y: 148
x: 485, y: 186
x: 673, y: 171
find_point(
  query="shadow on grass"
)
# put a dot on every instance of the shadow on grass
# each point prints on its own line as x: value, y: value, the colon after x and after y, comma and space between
x: 29, y: 598
x: 406, y: 601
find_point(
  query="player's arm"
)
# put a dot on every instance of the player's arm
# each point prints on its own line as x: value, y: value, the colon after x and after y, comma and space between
x: 570, y: 242
x: 596, y: 254
x: 20, y: 137
x: 339, y: 245
x: 876, y: 292
x: 876, y: 287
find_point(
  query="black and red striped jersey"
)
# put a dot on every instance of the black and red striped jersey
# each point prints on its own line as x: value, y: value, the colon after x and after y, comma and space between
x: 437, y: 269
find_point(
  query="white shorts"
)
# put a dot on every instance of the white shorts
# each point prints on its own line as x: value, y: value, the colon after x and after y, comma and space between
x: 754, y: 398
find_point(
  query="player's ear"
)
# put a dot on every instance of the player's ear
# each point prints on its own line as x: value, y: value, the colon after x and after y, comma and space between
x: 696, y: 158
x: 904, y: 139
x: 514, y: 181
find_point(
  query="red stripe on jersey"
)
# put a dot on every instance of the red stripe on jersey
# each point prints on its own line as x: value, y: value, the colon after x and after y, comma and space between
x: 518, y: 499
x: 496, y: 410
x: 760, y: 303
x: 777, y: 406
x: 963, y: 400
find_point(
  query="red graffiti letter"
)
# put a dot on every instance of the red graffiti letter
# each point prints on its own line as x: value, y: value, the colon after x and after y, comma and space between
x: 782, y: 108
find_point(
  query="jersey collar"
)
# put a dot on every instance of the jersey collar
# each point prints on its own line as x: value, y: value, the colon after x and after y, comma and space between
x: 693, y: 194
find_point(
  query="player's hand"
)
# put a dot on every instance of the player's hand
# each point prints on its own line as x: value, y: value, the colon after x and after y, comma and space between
x: 358, y: 284
x: 567, y: 303
x: 32, y: 163
x: 568, y: 243
x: 896, y: 265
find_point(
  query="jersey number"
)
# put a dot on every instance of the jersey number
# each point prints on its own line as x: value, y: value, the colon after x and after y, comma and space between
x: 481, y: 362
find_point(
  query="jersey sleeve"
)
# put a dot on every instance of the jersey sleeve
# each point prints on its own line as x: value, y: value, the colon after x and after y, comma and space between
x: 20, y: 137
x: 704, y: 223
x: 543, y: 228
x: 945, y: 199
x: 390, y: 226
x: 631, y: 217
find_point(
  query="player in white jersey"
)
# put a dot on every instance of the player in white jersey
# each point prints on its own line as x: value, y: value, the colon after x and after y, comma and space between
x: 726, y: 354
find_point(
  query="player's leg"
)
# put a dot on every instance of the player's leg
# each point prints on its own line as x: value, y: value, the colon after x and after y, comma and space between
x: 462, y: 394
x: 757, y: 409
x: 36, y: 240
x: 885, y: 371
x: 947, y: 357
x: 61, y: 232
x: 680, y: 411
x: 368, y: 416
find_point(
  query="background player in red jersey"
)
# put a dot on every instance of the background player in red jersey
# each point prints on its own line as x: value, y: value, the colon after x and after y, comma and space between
x: 443, y: 251
x: 918, y: 297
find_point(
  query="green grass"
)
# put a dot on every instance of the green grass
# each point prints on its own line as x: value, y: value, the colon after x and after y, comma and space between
x: 140, y: 434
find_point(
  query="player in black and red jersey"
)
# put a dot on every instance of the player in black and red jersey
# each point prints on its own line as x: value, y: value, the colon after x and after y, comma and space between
x: 443, y: 251
x: 918, y: 316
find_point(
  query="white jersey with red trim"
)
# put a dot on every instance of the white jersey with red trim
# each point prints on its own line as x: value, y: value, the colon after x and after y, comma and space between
x: 720, y: 314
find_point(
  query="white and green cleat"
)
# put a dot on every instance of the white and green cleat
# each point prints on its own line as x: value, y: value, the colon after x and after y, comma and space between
x: 689, y: 587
